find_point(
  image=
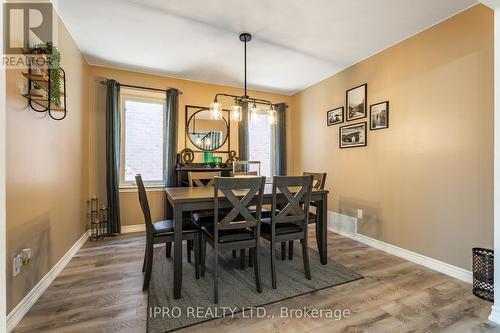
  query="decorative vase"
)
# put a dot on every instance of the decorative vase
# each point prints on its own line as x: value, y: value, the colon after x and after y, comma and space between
x: 208, y: 158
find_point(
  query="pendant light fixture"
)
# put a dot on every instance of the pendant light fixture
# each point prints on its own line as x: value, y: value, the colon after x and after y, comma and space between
x: 236, y: 109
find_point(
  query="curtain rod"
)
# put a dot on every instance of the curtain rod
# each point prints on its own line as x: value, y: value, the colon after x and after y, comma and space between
x: 140, y: 87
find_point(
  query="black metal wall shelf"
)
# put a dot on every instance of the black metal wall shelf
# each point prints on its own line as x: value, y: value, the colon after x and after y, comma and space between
x: 42, y: 79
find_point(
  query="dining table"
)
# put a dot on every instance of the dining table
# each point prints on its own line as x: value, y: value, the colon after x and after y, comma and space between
x: 188, y: 199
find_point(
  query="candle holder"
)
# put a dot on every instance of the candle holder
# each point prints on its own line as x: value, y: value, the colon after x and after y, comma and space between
x: 93, y: 217
x: 104, y: 221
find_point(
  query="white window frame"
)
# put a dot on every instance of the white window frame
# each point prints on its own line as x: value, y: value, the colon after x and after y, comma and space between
x: 140, y: 96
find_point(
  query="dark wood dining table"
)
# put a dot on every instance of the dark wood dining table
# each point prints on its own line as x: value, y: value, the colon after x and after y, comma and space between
x: 187, y: 199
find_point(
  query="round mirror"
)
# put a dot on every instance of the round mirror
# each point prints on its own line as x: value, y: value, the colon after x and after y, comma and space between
x: 206, y: 133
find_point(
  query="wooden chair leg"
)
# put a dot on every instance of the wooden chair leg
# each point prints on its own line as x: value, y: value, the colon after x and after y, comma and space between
x: 145, y: 257
x: 305, y: 258
x: 242, y: 258
x: 250, y: 258
x: 273, y: 266
x: 216, y: 275
x: 149, y: 267
x: 317, y: 237
x: 290, y: 250
x: 197, y: 256
x: 168, y: 250
x: 189, y: 247
x: 283, y: 250
x: 234, y: 253
x: 255, y: 258
x: 203, y: 253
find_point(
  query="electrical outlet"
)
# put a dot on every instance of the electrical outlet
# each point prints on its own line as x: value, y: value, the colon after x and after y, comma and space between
x: 360, y: 214
x: 17, y: 264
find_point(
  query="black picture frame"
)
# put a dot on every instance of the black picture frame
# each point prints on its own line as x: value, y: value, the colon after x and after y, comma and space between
x: 364, y: 104
x: 385, y: 119
x: 342, y: 142
x: 331, y: 123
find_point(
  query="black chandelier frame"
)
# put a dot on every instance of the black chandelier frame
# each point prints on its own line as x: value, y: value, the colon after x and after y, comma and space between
x: 245, y: 38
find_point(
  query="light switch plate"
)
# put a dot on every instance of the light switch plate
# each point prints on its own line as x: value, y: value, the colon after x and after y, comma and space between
x: 360, y: 213
x: 17, y: 264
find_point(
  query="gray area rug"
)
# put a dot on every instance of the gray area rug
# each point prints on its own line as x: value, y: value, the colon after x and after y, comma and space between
x: 237, y: 290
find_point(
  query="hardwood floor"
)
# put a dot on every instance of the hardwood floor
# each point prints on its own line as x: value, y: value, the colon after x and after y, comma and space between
x: 100, y: 291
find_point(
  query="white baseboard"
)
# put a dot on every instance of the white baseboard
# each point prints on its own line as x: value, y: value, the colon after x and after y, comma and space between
x: 15, y: 316
x: 128, y: 229
x: 347, y: 227
x: 495, y: 314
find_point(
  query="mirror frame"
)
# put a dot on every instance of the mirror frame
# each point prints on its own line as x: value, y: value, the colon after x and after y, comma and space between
x: 226, y: 121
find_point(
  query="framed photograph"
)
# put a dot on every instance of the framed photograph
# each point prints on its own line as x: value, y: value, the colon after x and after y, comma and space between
x: 335, y: 116
x: 356, y: 102
x: 352, y: 135
x: 379, y: 115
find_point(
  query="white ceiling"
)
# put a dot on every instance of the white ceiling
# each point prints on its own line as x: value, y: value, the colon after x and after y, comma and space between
x: 295, y: 44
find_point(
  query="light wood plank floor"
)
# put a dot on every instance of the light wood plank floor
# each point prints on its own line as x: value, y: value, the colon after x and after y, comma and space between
x: 100, y: 291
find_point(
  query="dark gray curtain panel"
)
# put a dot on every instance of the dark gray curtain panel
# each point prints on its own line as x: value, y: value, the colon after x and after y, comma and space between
x: 280, y: 140
x: 243, y: 133
x: 113, y: 154
x: 171, y: 121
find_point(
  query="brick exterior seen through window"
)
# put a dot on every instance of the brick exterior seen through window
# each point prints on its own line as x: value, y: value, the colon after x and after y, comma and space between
x: 143, y: 140
x: 260, y: 144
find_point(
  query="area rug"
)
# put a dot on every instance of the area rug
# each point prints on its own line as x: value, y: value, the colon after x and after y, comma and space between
x: 237, y: 291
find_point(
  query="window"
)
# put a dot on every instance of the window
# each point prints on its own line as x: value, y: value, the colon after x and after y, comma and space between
x: 261, y: 142
x: 142, y: 137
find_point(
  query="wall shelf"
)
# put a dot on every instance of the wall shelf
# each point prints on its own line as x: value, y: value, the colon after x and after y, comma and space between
x: 42, y: 102
x: 41, y: 79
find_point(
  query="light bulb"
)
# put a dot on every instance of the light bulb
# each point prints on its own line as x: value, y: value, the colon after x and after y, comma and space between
x: 236, y: 113
x: 254, y: 113
x: 216, y: 110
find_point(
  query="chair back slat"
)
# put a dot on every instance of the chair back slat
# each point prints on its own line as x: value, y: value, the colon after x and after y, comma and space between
x: 143, y: 200
x: 319, y: 179
x: 296, y: 206
x: 241, y: 194
x: 202, y: 178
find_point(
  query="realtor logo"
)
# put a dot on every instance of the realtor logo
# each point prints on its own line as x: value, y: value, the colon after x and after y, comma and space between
x: 25, y: 25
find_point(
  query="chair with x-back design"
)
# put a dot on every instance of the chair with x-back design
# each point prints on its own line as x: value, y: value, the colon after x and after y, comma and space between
x: 289, y: 223
x: 319, y: 179
x: 238, y: 229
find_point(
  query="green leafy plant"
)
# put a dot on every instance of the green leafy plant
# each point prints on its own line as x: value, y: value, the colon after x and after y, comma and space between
x: 54, y: 59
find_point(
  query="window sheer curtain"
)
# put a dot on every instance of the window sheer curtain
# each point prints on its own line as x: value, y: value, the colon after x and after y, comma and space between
x: 113, y: 154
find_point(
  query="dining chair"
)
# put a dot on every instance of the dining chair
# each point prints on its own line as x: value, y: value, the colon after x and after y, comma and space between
x: 239, y: 229
x: 162, y: 232
x: 200, y: 179
x: 289, y: 223
x: 319, y: 180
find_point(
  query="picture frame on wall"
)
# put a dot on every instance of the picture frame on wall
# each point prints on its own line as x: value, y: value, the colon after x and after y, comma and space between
x: 335, y: 116
x: 353, y: 135
x: 379, y: 116
x: 356, y: 102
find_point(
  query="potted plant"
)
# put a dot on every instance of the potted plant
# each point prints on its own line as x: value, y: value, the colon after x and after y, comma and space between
x: 53, y: 58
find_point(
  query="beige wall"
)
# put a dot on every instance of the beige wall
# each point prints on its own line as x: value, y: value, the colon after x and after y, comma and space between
x: 193, y: 93
x: 425, y: 184
x: 45, y: 174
